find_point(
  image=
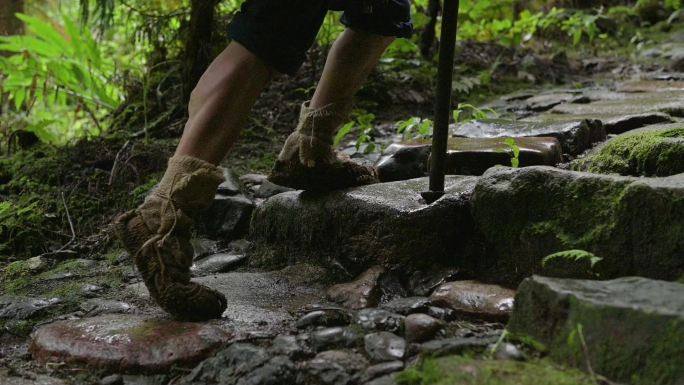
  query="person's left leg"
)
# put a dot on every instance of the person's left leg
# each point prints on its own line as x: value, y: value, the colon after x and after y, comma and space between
x: 308, y: 160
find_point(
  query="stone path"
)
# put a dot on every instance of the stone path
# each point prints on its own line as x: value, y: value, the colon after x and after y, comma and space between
x: 352, y: 287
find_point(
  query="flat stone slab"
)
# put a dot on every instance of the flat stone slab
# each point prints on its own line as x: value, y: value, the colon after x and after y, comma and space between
x: 466, y: 156
x: 627, y: 103
x: 475, y: 299
x: 634, y: 224
x: 261, y: 301
x: 354, y: 229
x: 126, y: 343
x: 575, y: 136
x: 633, y: 327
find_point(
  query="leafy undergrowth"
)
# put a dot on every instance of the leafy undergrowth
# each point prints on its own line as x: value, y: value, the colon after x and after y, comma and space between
x: 48, y: 190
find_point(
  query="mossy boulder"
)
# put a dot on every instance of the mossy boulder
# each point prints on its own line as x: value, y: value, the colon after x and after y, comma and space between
x: 463, y: 370
x: 630, y: 330
x: 381, y: 224
x: 523, y: 215
x: 654, y: 151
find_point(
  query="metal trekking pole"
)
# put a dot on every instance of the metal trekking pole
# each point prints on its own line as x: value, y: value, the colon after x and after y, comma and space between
x: 445, y: 75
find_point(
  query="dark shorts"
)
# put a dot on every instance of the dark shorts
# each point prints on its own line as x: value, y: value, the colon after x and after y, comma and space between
x: 280, y: 32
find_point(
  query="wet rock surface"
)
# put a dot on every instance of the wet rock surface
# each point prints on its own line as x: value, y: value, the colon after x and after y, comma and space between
x: 227, y: 217
x: 23, y: 308
x: 95, y: 307
x: 260, y: 301
x: 358, y: 228
x: 421, y: 327
x: 362, y: 292
x: 126, y: 343
x: 466, y: 156
x: 574, y: 136
x: 384, y: 346
x: 634, y: 321
x: 217, y: 263
x: 475, y: 299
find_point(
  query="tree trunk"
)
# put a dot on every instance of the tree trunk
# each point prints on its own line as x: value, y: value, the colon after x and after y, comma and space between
x: 198, y: 44
x: 427, y: 39
x: 9, y: 24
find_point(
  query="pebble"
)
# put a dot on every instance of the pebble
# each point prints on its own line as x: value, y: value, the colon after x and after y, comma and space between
x: 95, y: 307
x: 252, y: 179
x: 294, y: 347
x: 230, y: 186
x: 333, y: 338
x: 379, y: 319
x: 114, y: 379
x: 384, y: 346
x: 91, y: 290
x: 421, y: 327
x: 451, y: 346
x: 362, y: 292
x: 326, y: 317
x: 441, y: 313
x: 323, y: 372
x: 475, y: 299
x: 384, y: 380
x: 382, y: 369
x: 352, y: 362
x: 217, y: 263
x: 508, y: 351
x: 24, y: 308
x: 407, y: 305
x: 268, y: 189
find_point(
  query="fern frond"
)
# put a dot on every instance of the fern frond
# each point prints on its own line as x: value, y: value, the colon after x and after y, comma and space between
x: 573, y: 255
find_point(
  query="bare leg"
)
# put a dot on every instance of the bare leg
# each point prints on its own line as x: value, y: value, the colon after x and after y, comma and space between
x: 220, y: 104
x: 352, y: 58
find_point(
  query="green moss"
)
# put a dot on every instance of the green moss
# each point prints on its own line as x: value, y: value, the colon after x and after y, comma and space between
x: 19, y: 328
x: 17, y: 275
x: 652, y: 153
x: 468, y: 371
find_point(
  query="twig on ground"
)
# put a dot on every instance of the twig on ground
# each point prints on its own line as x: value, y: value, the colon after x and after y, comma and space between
x: 71, y: 226
x: 112, y: 173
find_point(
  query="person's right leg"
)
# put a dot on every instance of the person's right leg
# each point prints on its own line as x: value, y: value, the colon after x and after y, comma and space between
x: 221, y: 101
x: 267, y: 35
x: 157, y: 234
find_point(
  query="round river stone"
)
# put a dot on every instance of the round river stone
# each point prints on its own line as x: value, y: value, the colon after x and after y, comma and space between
x: 126, y: 343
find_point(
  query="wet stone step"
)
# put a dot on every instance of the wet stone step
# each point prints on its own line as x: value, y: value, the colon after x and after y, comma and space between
x: 381, y: 224
x: 619, y: 103
x: 126, y: 343
x: 575, y: 136
x: 466, y: 156
x: 632, y: 328
x: 262, y: 302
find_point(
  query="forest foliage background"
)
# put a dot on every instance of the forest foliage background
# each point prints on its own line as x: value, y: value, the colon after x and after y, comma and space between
x: 112, y: 77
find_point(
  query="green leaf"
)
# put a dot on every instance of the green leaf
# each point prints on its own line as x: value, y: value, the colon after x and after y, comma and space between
x: 573, y: 255
x: 343, y: 132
